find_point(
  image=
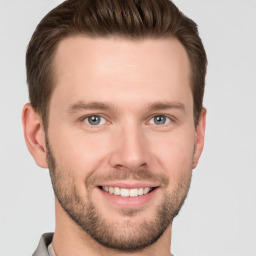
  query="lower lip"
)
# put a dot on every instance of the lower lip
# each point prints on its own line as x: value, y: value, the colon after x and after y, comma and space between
x: 128, y: 202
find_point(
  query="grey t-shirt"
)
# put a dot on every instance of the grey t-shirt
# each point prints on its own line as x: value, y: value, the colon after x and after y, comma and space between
x: 44, y: 247
x: 50, y: 250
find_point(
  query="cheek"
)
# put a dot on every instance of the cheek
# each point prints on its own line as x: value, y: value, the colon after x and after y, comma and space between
x: 78, y: 152
x: 174, y: 152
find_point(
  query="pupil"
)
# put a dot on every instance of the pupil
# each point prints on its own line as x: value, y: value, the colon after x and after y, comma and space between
x: 160, y: 119
x: 94, y: 120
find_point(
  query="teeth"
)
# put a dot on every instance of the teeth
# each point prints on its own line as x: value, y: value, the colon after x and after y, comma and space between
x: 134, y: 192
x: 117, y: 191
x: 111, y: 190
x: 127, y: 192
x: 140, y: 191
x: 146, y: 190
x: 105, y: 188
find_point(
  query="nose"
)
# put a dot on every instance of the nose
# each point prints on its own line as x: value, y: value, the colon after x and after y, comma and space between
x: 130, y: 149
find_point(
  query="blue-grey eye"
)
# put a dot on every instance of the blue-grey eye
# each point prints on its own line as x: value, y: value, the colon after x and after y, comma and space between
x: 95, y: 120
x: 160, y: 120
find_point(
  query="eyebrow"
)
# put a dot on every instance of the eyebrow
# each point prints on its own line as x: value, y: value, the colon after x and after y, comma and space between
x: 166, y: 105
x: 79, y: 106
x: 91, y: 105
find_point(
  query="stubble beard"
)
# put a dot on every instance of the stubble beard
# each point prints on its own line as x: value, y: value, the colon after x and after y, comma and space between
x: 129, y: 236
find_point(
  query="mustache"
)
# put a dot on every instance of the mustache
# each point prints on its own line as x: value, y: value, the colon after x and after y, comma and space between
x: 141, y: 174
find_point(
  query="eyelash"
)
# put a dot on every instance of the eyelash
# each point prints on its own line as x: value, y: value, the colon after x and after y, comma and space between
x: 166, y: 117
x: 87, y: 117
x: 171, y: 119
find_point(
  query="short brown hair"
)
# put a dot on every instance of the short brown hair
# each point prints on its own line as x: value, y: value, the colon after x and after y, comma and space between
x: 132, y: 19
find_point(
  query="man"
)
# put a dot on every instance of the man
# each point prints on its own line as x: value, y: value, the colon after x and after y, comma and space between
x: 115, y: 113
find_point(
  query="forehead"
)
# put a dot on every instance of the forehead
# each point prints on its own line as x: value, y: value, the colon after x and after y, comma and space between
x: 106, y: 67
x: 108, y: 54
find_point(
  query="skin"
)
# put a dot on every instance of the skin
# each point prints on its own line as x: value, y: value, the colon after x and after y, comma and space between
x: 130, y: 77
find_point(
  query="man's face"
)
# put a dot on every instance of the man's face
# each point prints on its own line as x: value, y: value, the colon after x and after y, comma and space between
x: 121, y: 122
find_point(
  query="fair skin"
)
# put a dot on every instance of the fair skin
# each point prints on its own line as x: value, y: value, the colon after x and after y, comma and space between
x: 129, y: 83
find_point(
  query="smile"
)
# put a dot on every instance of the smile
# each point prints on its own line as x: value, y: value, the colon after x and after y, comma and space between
x: 124, y: 192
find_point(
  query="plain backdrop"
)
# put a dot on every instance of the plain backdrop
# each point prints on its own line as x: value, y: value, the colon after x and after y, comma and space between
x: 219, y: 215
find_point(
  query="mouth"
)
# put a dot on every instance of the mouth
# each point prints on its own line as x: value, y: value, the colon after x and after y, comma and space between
x: 125, y: 192
x: 128, y: 195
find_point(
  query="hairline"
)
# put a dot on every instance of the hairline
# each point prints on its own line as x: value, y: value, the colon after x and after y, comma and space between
x: 52, y: 74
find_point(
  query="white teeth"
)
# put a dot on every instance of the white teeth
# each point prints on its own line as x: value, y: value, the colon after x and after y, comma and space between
x: 111, y: 190
x: 105, y: 188
x: 140, y: 191
x: 146, y: 190
x: 127, y: 192
x: 133, y: 192
x: 117, y: 191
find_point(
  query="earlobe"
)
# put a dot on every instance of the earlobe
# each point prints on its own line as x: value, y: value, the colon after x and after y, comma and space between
x: 200, y: 134
x: 34, y: 135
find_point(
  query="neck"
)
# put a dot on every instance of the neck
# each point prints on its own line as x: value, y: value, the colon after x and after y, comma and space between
x: 70, y: 239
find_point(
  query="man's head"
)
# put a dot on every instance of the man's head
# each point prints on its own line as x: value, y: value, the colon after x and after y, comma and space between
x: 130, y: 19
x: 116, y: 114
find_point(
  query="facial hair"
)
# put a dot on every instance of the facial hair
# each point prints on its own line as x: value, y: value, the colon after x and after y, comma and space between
x: 129, y: 236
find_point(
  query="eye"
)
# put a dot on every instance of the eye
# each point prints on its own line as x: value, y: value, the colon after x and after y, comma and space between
x: 160, y: 120
x: 95, y: 120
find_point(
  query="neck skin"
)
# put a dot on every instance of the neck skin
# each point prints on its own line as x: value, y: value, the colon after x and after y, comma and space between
x: 70, y: 239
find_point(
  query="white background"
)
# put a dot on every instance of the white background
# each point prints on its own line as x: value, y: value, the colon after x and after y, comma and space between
x: 219, y: 216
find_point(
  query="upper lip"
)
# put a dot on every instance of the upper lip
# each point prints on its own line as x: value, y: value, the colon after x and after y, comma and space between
x: 129, y: 185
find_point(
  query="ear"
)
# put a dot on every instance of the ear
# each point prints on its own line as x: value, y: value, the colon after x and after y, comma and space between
x: 200, y: 134
x: 34, y: 135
